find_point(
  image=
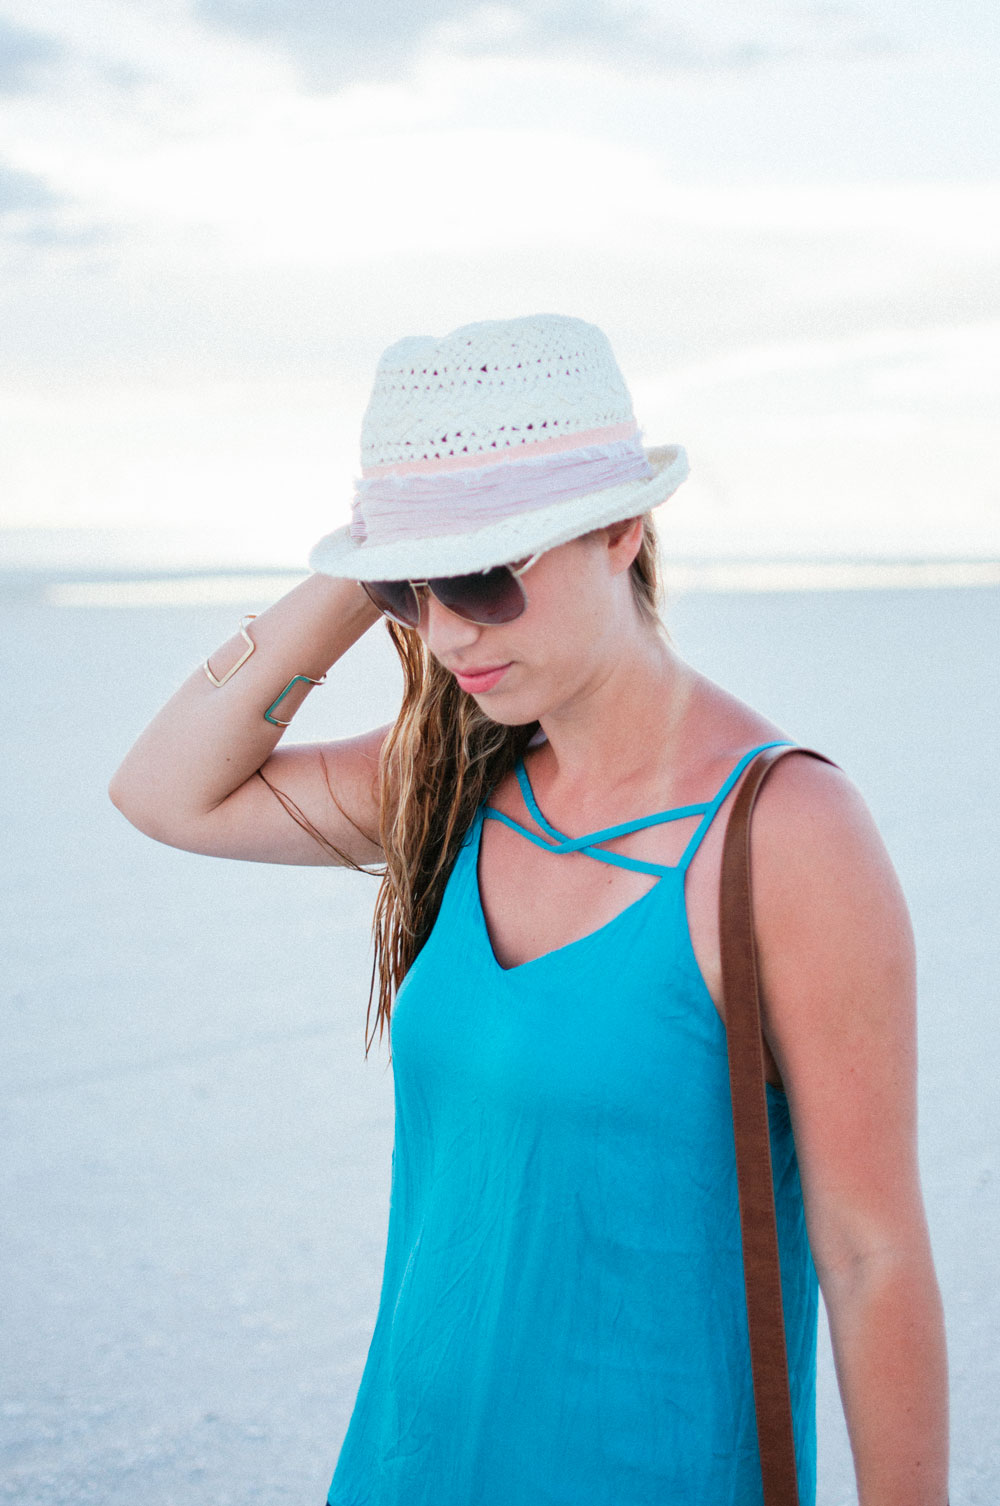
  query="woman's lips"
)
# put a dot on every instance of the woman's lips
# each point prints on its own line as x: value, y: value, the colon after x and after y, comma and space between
x: 475, y: 684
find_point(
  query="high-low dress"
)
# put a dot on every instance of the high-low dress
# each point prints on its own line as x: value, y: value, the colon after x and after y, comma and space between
x: 562, y: 1319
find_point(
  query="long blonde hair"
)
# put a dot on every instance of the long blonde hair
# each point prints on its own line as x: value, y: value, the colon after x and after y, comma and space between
x: 441, y: 742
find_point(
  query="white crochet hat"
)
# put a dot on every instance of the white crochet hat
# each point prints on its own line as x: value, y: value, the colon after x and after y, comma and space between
x: 502, y: 439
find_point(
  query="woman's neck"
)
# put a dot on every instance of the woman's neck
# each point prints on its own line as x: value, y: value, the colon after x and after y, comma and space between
x: 626, y: 727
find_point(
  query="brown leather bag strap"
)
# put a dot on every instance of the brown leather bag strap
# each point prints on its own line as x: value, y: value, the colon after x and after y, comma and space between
x: 761, y: 1268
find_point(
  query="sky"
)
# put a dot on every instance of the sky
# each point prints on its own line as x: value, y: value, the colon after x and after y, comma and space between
x: 215, y: 214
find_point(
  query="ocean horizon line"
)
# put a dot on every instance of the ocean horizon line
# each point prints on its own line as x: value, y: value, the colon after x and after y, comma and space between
x: 192, y: 588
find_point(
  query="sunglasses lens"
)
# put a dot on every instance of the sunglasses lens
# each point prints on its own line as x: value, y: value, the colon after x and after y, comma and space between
x: 486, y: 598
x: 397, y: 598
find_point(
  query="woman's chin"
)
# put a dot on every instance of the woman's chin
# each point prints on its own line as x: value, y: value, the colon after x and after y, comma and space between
x: 505, y: 716
x: 509, y: 711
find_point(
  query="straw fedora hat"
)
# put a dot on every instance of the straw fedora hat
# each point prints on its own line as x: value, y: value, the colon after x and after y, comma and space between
x: 502, y: 439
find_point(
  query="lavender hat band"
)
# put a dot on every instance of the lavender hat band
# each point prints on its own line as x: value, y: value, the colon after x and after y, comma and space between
x: 390, y: 507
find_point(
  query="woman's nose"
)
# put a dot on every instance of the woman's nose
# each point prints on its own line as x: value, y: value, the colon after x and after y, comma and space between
x: 443, y: 631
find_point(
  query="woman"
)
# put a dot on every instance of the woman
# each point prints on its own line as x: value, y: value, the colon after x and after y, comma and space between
x: 562, y: 1317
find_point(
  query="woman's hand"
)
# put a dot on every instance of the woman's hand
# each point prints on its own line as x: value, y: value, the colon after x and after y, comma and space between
x: 190, y: 779
x: 837, y: 971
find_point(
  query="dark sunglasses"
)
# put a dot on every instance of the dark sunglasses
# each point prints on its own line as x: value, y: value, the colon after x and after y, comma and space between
x: 486, y: 597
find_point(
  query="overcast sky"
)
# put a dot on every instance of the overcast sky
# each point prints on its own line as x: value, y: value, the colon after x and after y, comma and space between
x: 215, y: 213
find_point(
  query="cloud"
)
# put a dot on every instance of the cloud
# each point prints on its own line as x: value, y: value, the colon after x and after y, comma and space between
x: 23, y: 54
x: 34, y: 215
x: 380, y: 39
x: 336, y: 44
x: 23, y: 191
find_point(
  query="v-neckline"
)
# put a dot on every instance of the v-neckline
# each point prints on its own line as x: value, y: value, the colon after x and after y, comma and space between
x: 558, y: 951
x: 708, y: 809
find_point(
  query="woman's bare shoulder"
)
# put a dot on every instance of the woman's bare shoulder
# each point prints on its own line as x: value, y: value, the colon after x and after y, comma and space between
x: 810, y: 807
x: 817, y: 851
x: 833, y: 927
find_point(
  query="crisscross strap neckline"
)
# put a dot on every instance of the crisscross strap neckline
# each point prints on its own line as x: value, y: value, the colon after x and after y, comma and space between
x: 588, y: 843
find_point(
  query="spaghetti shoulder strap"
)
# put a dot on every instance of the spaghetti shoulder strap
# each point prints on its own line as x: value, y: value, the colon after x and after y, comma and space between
x: 528, y: 796
x: 719, y: 797
x: 559, y: 843
x: 590, y: 843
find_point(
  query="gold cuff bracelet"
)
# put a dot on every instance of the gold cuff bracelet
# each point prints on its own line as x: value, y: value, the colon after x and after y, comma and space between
x: 243, y: 657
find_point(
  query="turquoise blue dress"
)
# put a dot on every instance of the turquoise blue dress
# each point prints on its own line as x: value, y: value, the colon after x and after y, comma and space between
x: 562, y: 1319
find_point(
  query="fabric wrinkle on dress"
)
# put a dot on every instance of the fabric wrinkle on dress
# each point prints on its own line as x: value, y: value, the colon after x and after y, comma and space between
x: 562, y: 1318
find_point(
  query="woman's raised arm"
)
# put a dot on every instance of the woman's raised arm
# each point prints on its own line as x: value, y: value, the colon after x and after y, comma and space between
x: 190, y: 778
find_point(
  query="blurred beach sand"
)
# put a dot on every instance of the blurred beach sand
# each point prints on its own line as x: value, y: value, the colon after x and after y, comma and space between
x: 197, y: 1154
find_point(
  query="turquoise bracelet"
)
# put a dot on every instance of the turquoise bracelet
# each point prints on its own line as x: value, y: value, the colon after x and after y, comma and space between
x: 278, y: 698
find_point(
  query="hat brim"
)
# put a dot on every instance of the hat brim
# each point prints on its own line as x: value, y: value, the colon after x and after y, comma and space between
x: 507, y: 539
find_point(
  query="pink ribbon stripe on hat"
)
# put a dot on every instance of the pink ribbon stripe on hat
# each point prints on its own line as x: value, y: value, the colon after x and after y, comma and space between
x: 399, y: 504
